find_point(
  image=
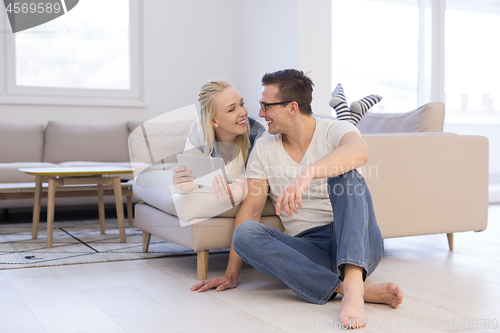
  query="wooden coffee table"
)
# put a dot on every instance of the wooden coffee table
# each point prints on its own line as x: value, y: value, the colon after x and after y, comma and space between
x: 77, y: 176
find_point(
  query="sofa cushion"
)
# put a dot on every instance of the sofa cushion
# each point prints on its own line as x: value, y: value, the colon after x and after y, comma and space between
x: 9, y: 172
x: 154, y: 188
x: 427, y: 118
x: 64, y: 142
x: 21, y: 143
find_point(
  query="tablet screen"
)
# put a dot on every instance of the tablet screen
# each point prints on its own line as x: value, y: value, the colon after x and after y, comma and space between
x: 203, y: 168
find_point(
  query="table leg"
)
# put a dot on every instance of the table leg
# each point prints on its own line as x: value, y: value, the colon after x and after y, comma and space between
x: 100, y: 205
x: 36, y: 206
x: 117, y: 186
x: 50, y: 211
x: 129, y: 211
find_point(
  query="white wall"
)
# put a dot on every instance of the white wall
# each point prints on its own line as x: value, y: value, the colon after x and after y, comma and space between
x: 189, y: 42
x: 276, y: 34
x: 265, y: 40
x: 315, y: 50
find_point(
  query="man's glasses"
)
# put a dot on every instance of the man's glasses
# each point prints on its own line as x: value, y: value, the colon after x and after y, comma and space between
x: 264, y: 106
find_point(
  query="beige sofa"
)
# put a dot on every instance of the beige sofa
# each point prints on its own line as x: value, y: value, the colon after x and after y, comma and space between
x: 58, y: 145
x: 421, y: 183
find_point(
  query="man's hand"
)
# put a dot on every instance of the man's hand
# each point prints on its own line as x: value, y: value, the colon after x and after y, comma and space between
x: 291, y: 196
x: 182, y: 181
x: 221, y: 283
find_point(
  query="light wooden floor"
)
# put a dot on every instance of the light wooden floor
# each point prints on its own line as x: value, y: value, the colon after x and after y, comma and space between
x: 443, y: 290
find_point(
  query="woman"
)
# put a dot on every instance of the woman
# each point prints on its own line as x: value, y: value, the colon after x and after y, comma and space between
x: 223, y: 130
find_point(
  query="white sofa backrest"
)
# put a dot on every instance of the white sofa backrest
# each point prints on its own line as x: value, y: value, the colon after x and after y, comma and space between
x: 427, y: 118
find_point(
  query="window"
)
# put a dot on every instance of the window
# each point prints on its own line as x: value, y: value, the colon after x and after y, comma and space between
x: 88, y: 56
x: 415, y: 52
x: 375, y: 51
x: 472, y: 76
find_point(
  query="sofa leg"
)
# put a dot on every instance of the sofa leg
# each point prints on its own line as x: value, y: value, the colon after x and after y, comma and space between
x: 146, y: 237
x: 202, y: 259
x: 5, y: 214
x: 450, y: 241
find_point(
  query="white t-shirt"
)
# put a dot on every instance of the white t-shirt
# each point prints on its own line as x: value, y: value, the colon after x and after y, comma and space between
x: 270, y: 161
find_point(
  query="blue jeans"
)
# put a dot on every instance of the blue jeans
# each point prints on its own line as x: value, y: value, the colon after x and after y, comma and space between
x: 311, y: 263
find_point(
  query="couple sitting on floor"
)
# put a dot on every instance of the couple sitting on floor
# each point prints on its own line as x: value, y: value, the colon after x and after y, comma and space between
x: 308, y: 168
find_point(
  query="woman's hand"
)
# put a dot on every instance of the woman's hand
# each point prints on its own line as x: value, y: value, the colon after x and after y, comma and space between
x: 222, y: 190
x: 182, y: 181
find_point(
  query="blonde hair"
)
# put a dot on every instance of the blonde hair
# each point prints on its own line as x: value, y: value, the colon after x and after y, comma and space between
x: 207, y: 113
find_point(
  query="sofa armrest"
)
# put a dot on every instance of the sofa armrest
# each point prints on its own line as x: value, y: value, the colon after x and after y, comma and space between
x: 428, y: 184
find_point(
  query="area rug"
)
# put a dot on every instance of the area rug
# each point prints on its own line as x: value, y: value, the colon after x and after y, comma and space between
x: 77, y: 242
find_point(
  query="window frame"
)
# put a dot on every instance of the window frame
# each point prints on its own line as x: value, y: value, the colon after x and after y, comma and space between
x: 11, y: 93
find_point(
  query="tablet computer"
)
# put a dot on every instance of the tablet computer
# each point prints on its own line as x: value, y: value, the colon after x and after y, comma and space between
x: 203, y: 168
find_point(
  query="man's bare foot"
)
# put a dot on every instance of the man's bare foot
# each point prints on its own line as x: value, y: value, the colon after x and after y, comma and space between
x: 352, y: 307
x: 352, y: 310
x: 386, y: 293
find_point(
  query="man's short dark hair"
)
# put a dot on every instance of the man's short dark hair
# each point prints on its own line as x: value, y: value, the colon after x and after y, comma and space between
x: 293, y: 85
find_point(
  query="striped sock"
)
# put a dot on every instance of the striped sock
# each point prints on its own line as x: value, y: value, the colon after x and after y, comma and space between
x: 359, y: 108
x: 339, y: 104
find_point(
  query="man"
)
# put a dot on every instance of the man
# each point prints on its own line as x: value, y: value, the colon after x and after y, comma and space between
x: 308, y: 167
